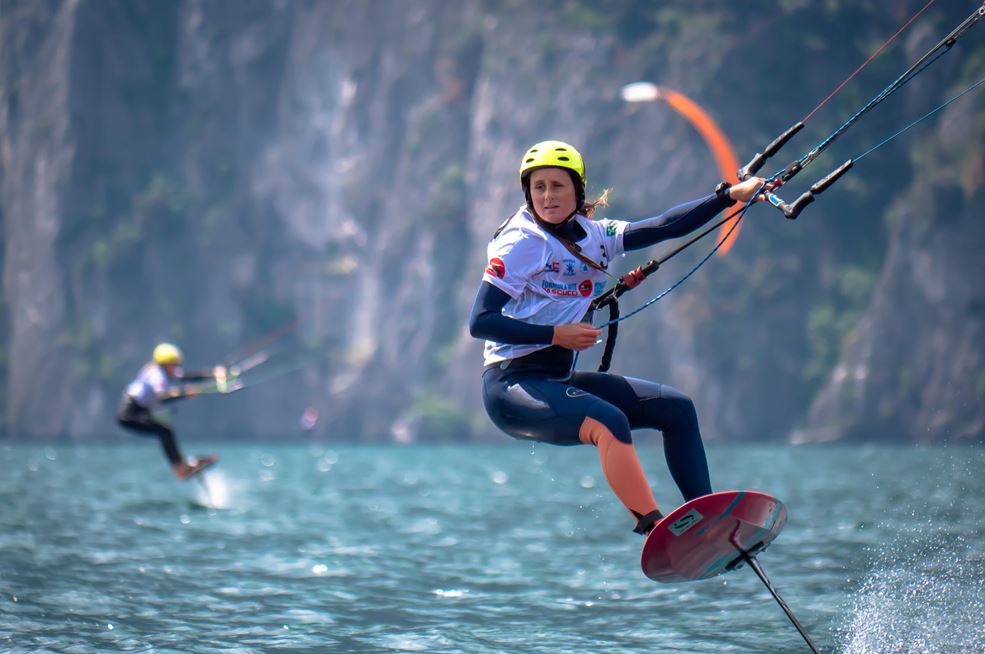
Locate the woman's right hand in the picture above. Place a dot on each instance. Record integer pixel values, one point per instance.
(742, 191)
(576, 336)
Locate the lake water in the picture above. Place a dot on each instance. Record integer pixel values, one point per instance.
(342, 548)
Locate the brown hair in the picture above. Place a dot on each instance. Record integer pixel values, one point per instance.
(590, 206)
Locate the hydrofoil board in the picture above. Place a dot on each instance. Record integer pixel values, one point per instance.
(710, 535)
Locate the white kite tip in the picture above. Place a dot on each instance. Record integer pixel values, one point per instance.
(640, 92)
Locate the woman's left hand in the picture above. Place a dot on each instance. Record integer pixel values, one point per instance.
(743, 190)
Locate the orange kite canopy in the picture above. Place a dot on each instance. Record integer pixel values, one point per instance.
(717, 142)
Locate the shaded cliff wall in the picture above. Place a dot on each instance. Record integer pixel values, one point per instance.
(38, 150)
(914, 364)
(212, 172)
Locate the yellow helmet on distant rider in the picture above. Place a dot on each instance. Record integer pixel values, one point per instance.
(552, 153)
(167, 354)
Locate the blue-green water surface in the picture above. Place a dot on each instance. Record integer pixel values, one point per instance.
(325, 548)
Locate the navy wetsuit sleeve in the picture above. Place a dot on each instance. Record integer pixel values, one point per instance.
(198, 375)
(673, 223)
(488, 322)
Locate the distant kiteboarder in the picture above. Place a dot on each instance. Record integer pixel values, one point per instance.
(159, 382)
(546, 264)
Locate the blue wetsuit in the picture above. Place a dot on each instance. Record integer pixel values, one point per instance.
(538, 397)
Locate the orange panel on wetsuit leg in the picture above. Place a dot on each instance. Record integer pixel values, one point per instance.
(621, 467)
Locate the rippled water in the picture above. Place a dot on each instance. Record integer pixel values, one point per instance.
(467, 549)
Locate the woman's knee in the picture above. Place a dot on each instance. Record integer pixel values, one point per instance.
(672, 411)
(680, 401)
(613, 420)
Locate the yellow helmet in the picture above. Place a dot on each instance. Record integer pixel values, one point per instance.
(552, 153)
(167, 354)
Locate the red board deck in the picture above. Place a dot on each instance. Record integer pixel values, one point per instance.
(706, 536)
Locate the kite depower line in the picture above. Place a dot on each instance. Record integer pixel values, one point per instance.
(791, 210)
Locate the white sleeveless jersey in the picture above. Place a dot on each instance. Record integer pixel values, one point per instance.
(151, 383)
(547, 284)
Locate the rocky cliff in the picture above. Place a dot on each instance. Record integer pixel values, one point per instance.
(318, 180)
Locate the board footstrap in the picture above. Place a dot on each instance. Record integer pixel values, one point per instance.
(647, 521)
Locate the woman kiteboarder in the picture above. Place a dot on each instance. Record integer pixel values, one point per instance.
(545, 265)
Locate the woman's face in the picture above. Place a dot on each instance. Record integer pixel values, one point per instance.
(553, 194)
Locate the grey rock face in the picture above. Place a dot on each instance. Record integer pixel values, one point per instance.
(319, 181)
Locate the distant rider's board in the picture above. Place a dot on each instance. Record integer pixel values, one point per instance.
(708, 535)
(200, 464)
(713, 534)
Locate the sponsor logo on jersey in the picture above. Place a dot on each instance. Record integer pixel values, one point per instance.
(560, 290)
(569, 267)
(496, 268)
(610, 230)
(552, 266)
(585, 288)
